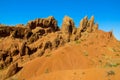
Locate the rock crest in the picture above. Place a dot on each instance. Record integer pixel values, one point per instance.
(68, 25)
(45, 33)
(46, 23)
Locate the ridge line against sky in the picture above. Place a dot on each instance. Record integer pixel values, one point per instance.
(106, 12)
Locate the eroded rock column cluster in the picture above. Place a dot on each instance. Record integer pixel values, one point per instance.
(41, 35)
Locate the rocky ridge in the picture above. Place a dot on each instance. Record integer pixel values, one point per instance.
(40, 36)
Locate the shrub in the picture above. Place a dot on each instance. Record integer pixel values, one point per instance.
(110, 73)
(47, 70)
(48, 55)
(85, 53)
(113, 49)
(112, 64)
(77, 42)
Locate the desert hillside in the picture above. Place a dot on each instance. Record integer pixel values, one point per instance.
(41, 50)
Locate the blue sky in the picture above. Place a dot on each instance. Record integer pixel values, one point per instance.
(106, 12)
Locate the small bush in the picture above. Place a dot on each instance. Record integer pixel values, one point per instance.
(110, 73)
(85, 53)
(48, 55)
(112, 64)
(1, 68)
(47, 71)
(77, 42)
(113, 49)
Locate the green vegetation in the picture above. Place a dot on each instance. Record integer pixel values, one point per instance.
(112, 64)
(47, 70)
(85, 53)
(110, 73)
(113, 49)
(48, 55)
(1, 68)
(110, 61)
(77, 42)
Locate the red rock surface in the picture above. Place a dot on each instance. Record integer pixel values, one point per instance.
(45, 51)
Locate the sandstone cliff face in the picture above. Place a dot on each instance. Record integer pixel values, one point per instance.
(42, 26)
(40, 36)
(83, 25)
(87, 25)
(48, 23)
(16, 32)
(70, 31)
(13, 69)
(68, 26)
(43, 31)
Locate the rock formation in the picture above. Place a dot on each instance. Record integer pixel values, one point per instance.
(39, 37)
(42, 38)
(88, 25)
(48, 23)
(12, 70)
(68, 26)
(83, 25)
